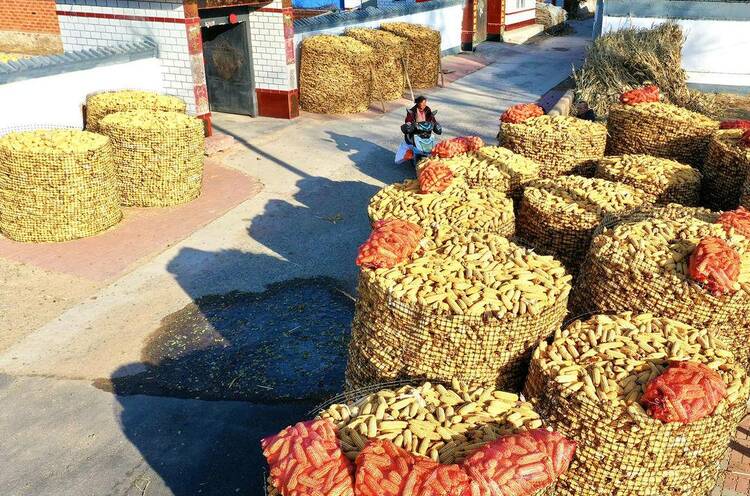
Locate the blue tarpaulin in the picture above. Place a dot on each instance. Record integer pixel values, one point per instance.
(316, 4)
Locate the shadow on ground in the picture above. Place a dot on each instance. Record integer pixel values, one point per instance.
(233, 367)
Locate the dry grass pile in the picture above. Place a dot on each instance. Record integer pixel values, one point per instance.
(423, 52)
(389, 51)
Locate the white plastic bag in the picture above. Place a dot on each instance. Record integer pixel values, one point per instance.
(404, 153)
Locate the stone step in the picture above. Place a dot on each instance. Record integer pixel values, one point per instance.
(522, 35)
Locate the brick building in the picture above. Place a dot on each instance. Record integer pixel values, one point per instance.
(29, 26)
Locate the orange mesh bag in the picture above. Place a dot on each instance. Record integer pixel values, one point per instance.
(521, 112)
(382, 469)
(739, 220)
(435, 178)
(457, 146)
(306, 460)
(646, 94)
(390, 243)
(735, 124)
(685, 392)
(716, 265)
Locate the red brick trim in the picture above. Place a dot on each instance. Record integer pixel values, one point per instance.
(122, 17)
(207, 127)
(273, 10)
(278, 103)
(518, 25)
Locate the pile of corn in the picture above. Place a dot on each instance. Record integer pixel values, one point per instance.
(560, 144)
(56, 185)
(158, 156)
(663, 180)
(559, 216)
(423, 52)
(745, 198)
(469, 306)
(99, 105)
(389, 51)
(458, 208)
(642, 265)
(661, 130)
(725, 169)
(587, 385)
(495, 164)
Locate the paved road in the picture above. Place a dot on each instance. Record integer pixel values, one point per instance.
(65, 433)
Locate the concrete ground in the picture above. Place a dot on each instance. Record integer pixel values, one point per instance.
(141, 384)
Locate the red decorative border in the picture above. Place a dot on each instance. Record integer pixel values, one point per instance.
(522, 24)
(286, 10)
(121, 17)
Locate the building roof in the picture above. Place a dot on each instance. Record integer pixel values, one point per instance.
(723, 10)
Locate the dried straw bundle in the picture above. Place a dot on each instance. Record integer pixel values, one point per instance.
(158, 156)
(560, 144)
(661, 130)
(336, 75)
(389, 51)
(587, 383)
(558, 217)
(630, 58)
(422, 52)
(99, 105)
(470, 306)
(459, 208)
(663, 180)
(56, 185)
(724, 172)
(550, 16)
(641, 265)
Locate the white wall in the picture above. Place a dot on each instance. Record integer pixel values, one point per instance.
(715, 52)
(519, 11)
(57, 99)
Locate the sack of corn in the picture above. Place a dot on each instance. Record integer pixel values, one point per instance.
(158, 156)
(559, 216)
(455, 147)
(560, 144)
(467, 306)
(99, 105)
(661, 130)
(422, 52)
(745, 198)
(458, 208)
(664, 181)
(56, 185)
(336, 75)
(589, 382)
(389, 51)
(724, 172)
(660, 264)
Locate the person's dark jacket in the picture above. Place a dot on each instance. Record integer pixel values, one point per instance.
(411, 118)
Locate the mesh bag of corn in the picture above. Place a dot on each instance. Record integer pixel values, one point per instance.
(422, 53)
(469, 305)
(457, 208)
(99, 105)
(661, 130)
(648, 263)
(745, 198)
(664, 181)
(589, 384)
(56, 185)
(336, 75)
(558, 216)
(560, 144)
(724, 172)
(158, 156)
(389, 51)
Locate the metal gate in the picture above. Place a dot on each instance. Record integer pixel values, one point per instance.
(229, 69)
(480, 33)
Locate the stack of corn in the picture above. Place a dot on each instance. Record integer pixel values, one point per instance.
(587, 385)
(663, 180)
(642, 265)
(559, 216)
(495, 166)
(422, 54)
(56, 185)
(99, 105)
(469, 306)
(560, 144)
(389, 50)
(158, 156)
(661, 130)
(724, 172)
(458, 208)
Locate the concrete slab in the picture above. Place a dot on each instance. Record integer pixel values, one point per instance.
(522, 35)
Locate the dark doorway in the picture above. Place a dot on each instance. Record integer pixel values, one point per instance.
(229, 69)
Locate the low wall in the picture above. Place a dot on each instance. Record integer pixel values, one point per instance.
(51, 90)
(717, 43)
(519, 13)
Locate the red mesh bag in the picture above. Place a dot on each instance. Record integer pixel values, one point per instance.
(738, 219)
(445, 480)
(685, 392)
(521, 112)
(390, 243)
(435, 178)
(473, 143)
(306, 460)
(745, 139)
(716, 265)
(457, 146)
(646, 94)
(735, 124)
(382, 469)
(519, 464)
